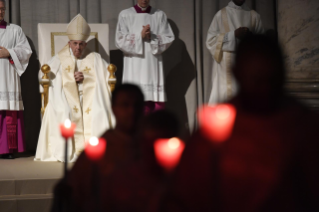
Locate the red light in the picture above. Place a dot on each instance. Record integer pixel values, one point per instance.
(168, 152)
(95, 148)
(67, 129)
(217, 121)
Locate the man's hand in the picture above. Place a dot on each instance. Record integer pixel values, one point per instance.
(78, 76)
(242, 32)
(4, 53)
(146, 32)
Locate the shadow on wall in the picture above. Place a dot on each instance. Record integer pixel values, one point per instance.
(31, 100)
(92, 46)
(179, 72)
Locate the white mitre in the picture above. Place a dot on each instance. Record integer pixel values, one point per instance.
(78, 29)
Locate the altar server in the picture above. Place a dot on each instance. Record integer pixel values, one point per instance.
(229, 26)
(15, 52)
(143, 34)
(79, 91)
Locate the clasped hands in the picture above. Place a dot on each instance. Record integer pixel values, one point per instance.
(146, 32)
(4, 53)
(242, 32)
(79, 77)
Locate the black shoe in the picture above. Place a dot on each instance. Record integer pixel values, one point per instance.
(7, 156)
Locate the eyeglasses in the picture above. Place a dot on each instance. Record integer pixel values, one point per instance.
(3, 9)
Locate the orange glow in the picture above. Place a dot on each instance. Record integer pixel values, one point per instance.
(168, 152)
(95, 148)
(216, 122)
(67, 129)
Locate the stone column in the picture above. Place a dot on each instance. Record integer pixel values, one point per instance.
(298, 31)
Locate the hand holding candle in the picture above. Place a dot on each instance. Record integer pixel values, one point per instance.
(217, 122)
(95, 148)
(168, 152)
(67, 129)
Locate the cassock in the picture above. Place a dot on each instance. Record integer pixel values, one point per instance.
(143, 64)
(221, 42)
(11, 106)
(86, 104)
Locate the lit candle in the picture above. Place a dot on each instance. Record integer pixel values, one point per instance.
(67, 129)
(95, 148)
(216, 122)
(168, 152)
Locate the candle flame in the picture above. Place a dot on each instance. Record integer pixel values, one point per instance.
(67, 123)
(222, 112)
(94, 141)
(173, 143)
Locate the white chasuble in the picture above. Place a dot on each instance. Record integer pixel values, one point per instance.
(92, 117)
(13, 39)
(221, 42)
(143, 63)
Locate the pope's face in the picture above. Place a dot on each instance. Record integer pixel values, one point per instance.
(2, 10)
(239, 2)
(143, 3)
(77, 47)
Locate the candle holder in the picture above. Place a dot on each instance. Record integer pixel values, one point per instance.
(168, 152)
(95, 148)
(67, 131)
(216, 122)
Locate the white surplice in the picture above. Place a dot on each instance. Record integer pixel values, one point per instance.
(13, 39)
(143, 63)
(221, 42)
(87, 104)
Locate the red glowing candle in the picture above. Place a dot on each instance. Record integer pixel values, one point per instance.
(95, 148)
(67, 129)
(217, 121)
(168, 152)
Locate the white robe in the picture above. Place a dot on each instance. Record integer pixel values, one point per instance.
(96, 102)
(13, 39)
(221, 42)
(143, 63)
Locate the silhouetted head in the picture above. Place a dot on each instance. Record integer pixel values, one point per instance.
(156, 125)
(239, 2)
(127, 106)
(259, 69)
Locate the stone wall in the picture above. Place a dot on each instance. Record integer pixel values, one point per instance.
(298, 31)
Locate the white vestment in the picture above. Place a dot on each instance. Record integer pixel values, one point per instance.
(143, 63)
(87, 104)
(221, 42)
(13, 39)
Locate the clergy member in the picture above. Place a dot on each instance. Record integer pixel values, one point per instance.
(15, 52)
(143, 34)
(79, 91)
(229, 26)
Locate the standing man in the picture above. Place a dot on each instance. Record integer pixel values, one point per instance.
(15, 52)
(79, 91)
(230, 25)
(143, 34)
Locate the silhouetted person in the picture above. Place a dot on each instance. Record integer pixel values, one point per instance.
(86, 177)
(138, 186)
(270, 162)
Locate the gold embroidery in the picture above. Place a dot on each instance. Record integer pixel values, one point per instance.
(68, 69)
(88, 111)
(75, 109)
(87, 70)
